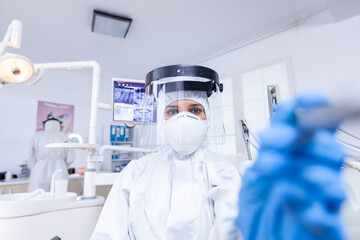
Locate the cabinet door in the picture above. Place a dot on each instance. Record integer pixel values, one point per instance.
(76, 185)
(103, 190)
(15, 188)
(3, 190)
(19, 188)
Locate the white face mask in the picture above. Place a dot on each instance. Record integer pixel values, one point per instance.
(185, 132)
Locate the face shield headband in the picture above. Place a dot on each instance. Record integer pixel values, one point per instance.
(183, 78)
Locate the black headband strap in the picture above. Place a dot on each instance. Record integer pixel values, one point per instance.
(207, 87)
(184, 71)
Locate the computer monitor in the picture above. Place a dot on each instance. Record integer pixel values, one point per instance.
(129, 105)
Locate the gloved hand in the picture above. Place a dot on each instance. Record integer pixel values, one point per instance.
(294, 189)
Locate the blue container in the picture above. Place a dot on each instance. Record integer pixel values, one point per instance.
(112, 133)
(120, 133)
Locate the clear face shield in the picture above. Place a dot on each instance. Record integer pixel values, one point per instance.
(186, 105)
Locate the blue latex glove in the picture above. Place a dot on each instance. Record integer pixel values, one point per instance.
(294, 189)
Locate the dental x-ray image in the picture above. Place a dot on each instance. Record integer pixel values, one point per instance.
(124, 95)
(129, 103)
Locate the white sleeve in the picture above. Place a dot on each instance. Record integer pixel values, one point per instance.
(32, 154)
(70, 157)
(113, 221)
(225, 194)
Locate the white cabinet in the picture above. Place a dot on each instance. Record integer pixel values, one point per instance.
(14, 188)
(120, 136)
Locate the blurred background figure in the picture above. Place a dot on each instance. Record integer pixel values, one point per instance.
(43, 162)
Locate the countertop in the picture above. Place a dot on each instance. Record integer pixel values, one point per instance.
(26, 180)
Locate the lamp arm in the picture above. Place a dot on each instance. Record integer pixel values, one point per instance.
(12, 36)
(95, 88)
(89, 187)
(41, 71)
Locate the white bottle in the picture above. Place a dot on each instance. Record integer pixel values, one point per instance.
(8, 176)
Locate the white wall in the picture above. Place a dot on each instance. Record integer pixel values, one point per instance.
(324, 55)
(18, 109)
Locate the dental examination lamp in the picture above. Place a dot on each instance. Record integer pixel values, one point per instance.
(15, 68)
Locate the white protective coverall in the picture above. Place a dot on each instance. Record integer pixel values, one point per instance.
(43, 162)
(167, 195)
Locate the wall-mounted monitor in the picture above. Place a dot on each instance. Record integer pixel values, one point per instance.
(129, 105)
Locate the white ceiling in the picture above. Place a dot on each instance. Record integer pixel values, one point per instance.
(162, 32)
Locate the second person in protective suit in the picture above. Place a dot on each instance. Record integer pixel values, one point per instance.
(184, 190)
(43, 162)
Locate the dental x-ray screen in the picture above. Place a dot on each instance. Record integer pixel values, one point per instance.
(129, 102)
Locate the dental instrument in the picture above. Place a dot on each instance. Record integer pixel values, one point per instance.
(247, 134)
(273, 94)
(327, 116)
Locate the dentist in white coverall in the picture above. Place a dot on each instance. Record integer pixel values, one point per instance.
(183, 191)
(44, 161)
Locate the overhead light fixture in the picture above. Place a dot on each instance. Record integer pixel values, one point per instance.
(110, 24)
(15, 68)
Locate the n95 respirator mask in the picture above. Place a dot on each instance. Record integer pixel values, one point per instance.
(185, 132)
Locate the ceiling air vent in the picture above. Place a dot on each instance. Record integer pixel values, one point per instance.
(110, 24)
